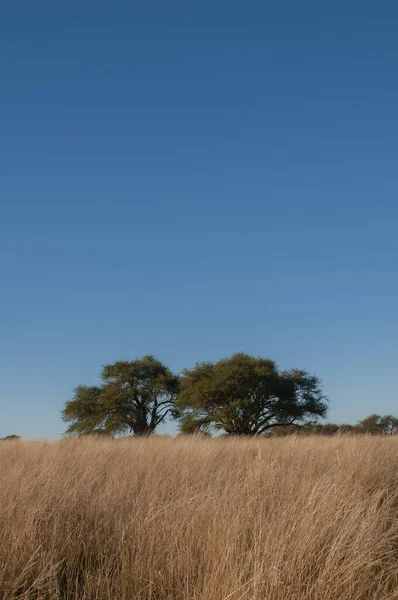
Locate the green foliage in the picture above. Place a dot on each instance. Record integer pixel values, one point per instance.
(9, 438)
(329, 429)
(377, 425)
(244, 395)
(135, 397)
(388, 424)
(311, 429)
(240, 395)
(348, 429)
(371, 425)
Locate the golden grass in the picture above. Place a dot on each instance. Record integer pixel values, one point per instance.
(196, 519)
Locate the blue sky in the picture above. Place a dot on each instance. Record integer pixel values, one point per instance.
(196, 179)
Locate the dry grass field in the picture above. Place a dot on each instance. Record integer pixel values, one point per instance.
(197, 519)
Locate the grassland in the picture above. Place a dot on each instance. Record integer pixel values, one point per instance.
(197, 519)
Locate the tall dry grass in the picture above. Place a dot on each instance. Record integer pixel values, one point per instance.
(192, 519)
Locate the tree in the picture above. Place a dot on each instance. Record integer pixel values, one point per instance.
(244, 395)
(377, 425)
(10, 438)
(370, 425)
(329, 429)
(282, 431)
(311, 429)
(348, 429)
(389, 424)
(135, 397)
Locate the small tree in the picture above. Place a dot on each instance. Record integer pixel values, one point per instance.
(282, 431)
(348, 429)
(389, 424)
(243, 395)
(329, 429)
(377, 425)
(370, 424)
(313, 429)
(135, 397)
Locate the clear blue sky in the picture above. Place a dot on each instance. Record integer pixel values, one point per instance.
(192, 179)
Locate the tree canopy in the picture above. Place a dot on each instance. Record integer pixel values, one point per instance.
(244, 395)
(376, 424)
(135, 397)
(371, 425)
